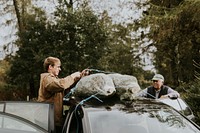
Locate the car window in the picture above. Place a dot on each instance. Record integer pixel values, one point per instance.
(38, 113)
(14, 125)
(179, 105)
(145, 120)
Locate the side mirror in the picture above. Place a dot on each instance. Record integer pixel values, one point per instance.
(173, 97)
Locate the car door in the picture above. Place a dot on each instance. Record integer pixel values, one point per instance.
(73, 121)
(36, 113)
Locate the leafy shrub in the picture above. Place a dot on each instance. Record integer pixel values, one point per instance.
(191, 94)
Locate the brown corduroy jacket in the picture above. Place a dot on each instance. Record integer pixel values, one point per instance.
(52, 90)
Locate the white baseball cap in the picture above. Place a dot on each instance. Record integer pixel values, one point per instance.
(158, 77)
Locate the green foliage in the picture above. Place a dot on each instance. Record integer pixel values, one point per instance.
(4, 69)
(8, 92)
(83, 39)
(77, 38)
(26, 60)
(174, 32)
(191, 93)
(119, 58)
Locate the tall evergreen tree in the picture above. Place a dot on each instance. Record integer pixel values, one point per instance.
(173, 31)
(77, 38)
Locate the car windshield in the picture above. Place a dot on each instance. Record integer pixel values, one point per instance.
(141, 119)
(178, 104)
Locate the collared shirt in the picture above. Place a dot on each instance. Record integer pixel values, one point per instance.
(157, 93)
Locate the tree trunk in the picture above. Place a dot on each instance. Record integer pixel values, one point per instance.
(32, 88)
(19, 19)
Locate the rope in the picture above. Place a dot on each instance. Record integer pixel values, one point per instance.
(91, 71)
(81, 103)
(99, 71)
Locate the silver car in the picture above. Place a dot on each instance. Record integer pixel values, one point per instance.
(136, 116)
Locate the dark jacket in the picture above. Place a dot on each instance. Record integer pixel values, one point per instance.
(152, 91)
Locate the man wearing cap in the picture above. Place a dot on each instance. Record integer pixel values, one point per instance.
(158, 90)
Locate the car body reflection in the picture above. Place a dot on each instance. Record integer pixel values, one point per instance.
(140, 116)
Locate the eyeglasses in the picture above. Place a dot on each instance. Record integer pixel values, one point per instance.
(155, 80)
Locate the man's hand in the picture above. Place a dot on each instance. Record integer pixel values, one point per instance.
(85, 72)
(171, 96)
(76, 76)
(164, 96)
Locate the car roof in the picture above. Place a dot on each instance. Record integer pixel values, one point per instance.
(95, 102)
(137, 103)
(115, 102)
(93, 109)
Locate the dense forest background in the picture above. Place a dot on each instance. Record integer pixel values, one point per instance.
(167, 33)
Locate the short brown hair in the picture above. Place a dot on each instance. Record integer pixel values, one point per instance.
(50, 61)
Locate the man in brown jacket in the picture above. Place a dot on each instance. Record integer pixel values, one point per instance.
(52, 88)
